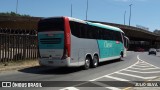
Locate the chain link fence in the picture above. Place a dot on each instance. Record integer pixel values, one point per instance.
(17, 44)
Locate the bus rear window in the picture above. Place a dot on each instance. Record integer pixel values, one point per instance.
(51, 24)
(50, 40)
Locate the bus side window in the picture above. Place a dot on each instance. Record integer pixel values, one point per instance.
(100, 34)
(83, 30)
(80, 29)
(74, 28)
(95, 33)
(89, 32)
(108, 34)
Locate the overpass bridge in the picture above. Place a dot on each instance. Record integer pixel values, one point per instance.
(138, 37)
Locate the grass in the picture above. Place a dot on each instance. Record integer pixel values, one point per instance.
(16, 65)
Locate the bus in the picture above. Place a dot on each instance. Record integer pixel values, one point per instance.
(126, 45)
(71, 42)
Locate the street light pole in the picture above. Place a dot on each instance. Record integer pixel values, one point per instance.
(130, 13)
(17, 7)
(71, 10)
(87, 10)
(124, 17)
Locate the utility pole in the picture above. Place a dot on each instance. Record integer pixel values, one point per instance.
(87, 10)
(17, 7)
(71, 9)
(124, 17)
(130, 13)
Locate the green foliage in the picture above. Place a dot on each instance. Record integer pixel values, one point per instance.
(13, 14)
(156, 31)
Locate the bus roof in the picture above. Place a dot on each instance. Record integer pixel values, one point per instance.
(77, 20)
(105, 26)
(96, 24)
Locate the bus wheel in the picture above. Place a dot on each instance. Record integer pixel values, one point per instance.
(94, 62)
(87, 63)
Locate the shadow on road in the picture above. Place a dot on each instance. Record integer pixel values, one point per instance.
(50, 70)
(62, 70)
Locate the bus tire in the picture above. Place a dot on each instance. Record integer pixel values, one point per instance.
(94, 62)
(87, 63)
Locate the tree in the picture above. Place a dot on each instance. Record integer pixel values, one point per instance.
(156, 31)
(13, 14)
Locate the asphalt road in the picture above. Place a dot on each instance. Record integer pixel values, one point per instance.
(135, 67)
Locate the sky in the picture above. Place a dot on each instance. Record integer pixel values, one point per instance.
(144, 12)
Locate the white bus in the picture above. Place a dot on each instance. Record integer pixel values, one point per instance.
(66, 41)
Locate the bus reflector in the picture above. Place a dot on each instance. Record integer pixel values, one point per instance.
(117, 42)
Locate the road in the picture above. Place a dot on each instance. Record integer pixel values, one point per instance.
(136, 66)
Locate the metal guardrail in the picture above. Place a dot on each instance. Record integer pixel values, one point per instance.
(17, 44)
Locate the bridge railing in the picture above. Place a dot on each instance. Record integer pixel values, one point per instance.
(17, 44)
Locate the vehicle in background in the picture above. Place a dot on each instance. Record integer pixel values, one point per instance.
(70, 42)
(138, 49)
(152, 51)
(126, 45)
(158, 50)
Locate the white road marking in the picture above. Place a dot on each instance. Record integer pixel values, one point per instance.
(70, 88)
(143, 69)
(146, 62)
(114, 72)
(142, 66)
(142, 72)
(116, 78)
(104, 85)
(139, 62)
(113, 88)
(136, 76)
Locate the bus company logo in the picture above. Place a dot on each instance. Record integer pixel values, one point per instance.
(6, 84)
(107, 45)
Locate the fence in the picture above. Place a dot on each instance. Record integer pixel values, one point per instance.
(17, 44)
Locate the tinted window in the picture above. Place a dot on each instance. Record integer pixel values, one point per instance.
(81, 30)
(52, 24)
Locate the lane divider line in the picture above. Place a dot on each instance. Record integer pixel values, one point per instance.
(142, 66)
(143, 72)
(136, 76)
(143, 69)
(147, 62)
(114, 72)
(118, 72)
(116, 78)
(70, 88)
(113, 88)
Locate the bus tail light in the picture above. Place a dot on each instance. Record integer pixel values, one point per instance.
(117, 42)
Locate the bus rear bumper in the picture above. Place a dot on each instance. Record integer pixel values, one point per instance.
(55, 63)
